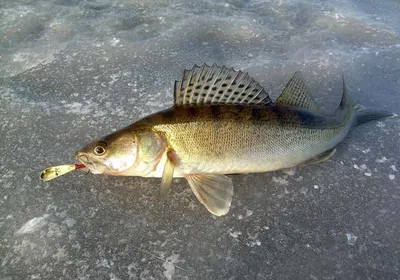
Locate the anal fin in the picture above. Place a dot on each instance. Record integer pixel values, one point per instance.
(213, 190)
(321, 157)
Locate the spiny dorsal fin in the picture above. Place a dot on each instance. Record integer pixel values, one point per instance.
(218, 85)
(295, 94)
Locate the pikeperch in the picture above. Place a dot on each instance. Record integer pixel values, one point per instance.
(223, 122)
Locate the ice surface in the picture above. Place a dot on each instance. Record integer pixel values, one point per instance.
(33, 225)
(72, 70)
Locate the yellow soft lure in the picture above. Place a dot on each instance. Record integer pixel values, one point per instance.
(56, 171)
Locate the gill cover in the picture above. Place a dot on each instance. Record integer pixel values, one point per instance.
(151, 147)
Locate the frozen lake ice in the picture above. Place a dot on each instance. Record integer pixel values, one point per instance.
(71, 71)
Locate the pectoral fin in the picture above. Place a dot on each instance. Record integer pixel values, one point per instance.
(213, 190)
(168, 172)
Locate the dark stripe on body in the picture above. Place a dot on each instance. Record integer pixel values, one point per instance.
(255, 114)
(216, 112)
(168, 114)
(239, 111)
(192, 112)
(259, 115)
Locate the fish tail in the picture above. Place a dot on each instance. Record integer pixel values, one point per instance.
(362, 113)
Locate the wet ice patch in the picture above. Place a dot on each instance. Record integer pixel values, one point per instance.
(113, 277)
(78, 108)
(235, 234)
(132, 268)
(364, 168)
(33, 225)
(380, 124)
(280, 181)
(289, 172)
(381, 160)
(366, 151)
(169, 266)
(351, 239)
(248, 214)
(361, 167)
(60, 254)
(25, 60)
(114, 42)
(304, 191)
(103, 263)
(115, 77)
(69, 222)
(252, 240)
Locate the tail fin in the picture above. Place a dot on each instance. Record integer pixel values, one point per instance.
(363, 114)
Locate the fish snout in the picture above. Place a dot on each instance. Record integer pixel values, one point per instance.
(83, 158)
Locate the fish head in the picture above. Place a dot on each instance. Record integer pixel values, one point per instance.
(111, 155)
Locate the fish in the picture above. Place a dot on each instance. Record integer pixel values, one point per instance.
(223, 122)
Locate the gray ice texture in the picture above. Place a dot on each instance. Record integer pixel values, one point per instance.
(72, 71)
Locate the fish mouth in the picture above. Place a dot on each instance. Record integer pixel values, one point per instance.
(82, 158)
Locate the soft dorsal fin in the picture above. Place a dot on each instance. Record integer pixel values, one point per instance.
(295, 94)
(218, 85)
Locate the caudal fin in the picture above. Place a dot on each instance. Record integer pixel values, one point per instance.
(364, 114)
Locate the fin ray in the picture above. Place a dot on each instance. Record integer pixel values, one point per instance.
(362, 113)
(167, 176)
(218, 85)
(168, 172)
(321, 157)
(295, 94)
(213, 190)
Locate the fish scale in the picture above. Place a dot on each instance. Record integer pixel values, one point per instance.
(220, 140)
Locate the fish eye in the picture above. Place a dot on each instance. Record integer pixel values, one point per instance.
(100, 149)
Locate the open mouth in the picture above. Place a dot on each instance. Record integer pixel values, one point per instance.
(86, 161)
